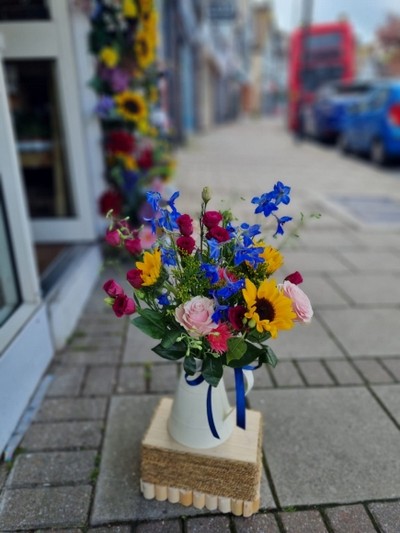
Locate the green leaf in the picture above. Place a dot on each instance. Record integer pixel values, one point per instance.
(189, 364)
(173, 353)
(170, 338)
(236, 349)
(148, 327)
(252, 353)
(255, 336)
(212, 370)
(156, 319)
(269, 357)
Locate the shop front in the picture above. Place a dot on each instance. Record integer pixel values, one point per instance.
(50, 178)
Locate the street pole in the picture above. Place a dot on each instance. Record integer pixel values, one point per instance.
(306, 19)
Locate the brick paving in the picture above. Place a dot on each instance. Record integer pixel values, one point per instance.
(331, 408)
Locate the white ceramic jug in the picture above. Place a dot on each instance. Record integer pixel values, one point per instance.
(189, 423)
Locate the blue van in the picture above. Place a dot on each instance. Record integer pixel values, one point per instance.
(371, 124)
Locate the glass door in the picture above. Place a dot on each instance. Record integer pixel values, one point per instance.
(43, 96)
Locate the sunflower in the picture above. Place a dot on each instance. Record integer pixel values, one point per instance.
(129, 9)
(150, 26)
(146, 7)
(144, 50)
(272, 257)
(150, 267)
(131, 106)
(268, 307)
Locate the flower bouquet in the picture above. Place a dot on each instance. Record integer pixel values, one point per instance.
(205, 291)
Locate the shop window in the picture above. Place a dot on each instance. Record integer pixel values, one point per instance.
(34, 103)
(24, 10)
(9, 292)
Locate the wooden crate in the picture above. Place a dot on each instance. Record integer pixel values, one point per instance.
(226, 477)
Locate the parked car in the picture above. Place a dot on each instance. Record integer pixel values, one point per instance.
(323, 119)
(371, 125)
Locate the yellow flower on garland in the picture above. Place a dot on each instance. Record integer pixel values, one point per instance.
(109, 56)
(131, 106)
(129, 9)
(272, 257)
(268, 308)
(146, 7)
(150, 267)
(144, 50)
(150, 26)
(128, 161)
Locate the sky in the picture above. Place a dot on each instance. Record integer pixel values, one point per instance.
(366, 15)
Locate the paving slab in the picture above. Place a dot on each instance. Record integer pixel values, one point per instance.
(67, 380)
(303, 522)
(369, 289)
(370, 261)
(62, 435)
(390, 397)
(344, 373)
(138, 347)
(258, 523)
(214, 523)
(164, 377)
(349, 518)
(100, 381)
(308, 262)
(57, 409)
(306, 341)
(373, 371)
(387, 516)
(118, 496)
(56, 468)
(328, 445)
(131, 379)
(315, 373)
(44, 507)
(365, 332)
(160, 526)
(322, 292)
(393, 366)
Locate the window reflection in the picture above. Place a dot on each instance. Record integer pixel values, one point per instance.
(24, 10)
(9, 294)
(33, 97)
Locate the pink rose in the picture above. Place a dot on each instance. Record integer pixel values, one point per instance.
(211, 219)
(300, 302)
(196, 316)
(185, 224)
(113, 288)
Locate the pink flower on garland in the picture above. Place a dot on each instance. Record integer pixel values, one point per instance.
(219, 337)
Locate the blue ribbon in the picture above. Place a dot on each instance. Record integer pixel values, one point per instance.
(210, 417)
(240, 398)
(241, 394)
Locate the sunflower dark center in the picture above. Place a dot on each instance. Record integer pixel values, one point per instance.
(132, 106)
(265, 309)
(143, 47)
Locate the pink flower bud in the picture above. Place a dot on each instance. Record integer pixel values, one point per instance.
(113, 288)
(123, 306)
(133, 246)
(185, 224)
(113, 237)
(134, 277)
(211, 219)
(187, 244)
(295, 278)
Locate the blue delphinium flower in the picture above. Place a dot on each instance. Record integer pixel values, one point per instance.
(220, 312)
(252, 255)
(281, 193)
(214, 249)
(168, 257)
(105, 106)
(265, 204)
(130, 179)
(163, 299)
(280, 222)
(211, 272)
(231, 288)
(249, 232)
(154, 198)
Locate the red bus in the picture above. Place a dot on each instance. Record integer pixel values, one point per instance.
(318, 54)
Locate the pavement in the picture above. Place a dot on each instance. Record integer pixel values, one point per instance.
(331, 407)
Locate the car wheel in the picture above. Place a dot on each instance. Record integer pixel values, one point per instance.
(377, 153)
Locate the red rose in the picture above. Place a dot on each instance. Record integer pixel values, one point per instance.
(185, 225)
(113, 288)
(133, 246)
(113, 237)
(134, 277)
(236, 315)
(110, 200)
(219, 234)
(211, 219)
(186, 244)
(120, 141)
(145, 159)
(123, 305)
(295, 278)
